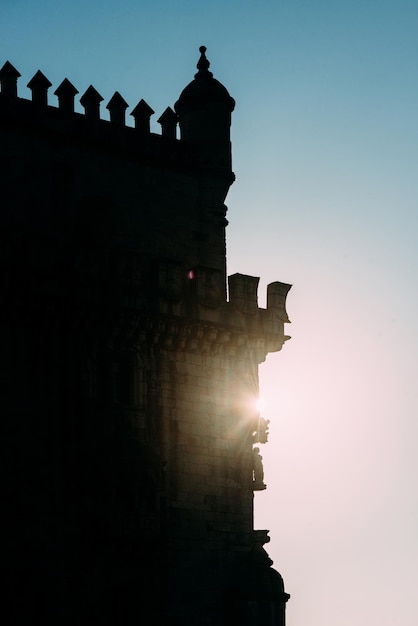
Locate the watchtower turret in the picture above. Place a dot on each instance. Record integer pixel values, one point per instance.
(204, 109)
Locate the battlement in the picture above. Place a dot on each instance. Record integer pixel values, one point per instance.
(41, 117)
(91, 100)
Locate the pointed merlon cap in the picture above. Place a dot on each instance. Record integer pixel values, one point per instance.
(39, 85)
(66, 92)
(203, 90)
(117, 107)
(90, 101)
(168, 121)
(8, 80)
(39, 81)
(141, 114)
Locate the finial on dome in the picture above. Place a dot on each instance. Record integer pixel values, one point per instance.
(203, 64)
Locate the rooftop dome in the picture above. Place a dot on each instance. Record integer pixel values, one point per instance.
(203, 89)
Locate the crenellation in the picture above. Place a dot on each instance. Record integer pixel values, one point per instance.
(66, 93)
(117, 107)
(39, 85)
(168, 121)
(142, 114)
(276, 300)
(90, 101)
(9, 76)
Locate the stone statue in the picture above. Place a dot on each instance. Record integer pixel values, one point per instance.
(258, 470)
(260, 434)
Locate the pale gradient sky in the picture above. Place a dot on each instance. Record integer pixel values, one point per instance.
(325, 150)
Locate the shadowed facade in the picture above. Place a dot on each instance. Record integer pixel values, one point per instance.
(129, 366)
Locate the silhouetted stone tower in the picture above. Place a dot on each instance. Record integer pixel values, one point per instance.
(129, 376)
(204, 109)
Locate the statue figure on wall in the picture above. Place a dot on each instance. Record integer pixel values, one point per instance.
(261, 431)
(258, 470)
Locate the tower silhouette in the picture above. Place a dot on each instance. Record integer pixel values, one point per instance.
(129, 366)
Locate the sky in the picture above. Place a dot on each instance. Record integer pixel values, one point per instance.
(325, 152)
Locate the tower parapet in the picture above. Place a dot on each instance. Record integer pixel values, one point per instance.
(39, 85)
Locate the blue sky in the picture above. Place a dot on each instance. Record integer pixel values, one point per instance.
(325, 150)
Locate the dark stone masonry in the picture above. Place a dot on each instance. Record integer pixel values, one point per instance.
(129, 366)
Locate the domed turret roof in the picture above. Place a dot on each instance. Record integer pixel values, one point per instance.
(203, 89)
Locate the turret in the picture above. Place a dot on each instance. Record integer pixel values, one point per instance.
(204, 110)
